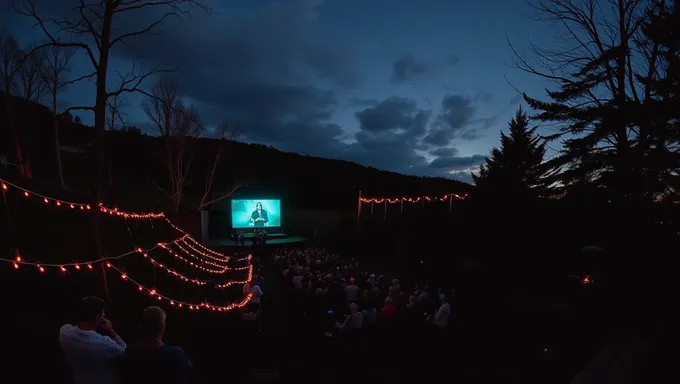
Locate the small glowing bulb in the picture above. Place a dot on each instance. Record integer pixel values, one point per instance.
(46, 201)
(72, 206)
(26, 194)
(16, 266)
(58, 204)
(4, 186)
(77, 266)
(108, 265)
(89, 266)
(62, 268)
(87, 206)
(123, 276)
(41, 269)
(19, 258)
(140, 288)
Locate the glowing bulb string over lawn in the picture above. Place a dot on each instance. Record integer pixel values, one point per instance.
(401, 200)
(191, 263)
(154, 293)
(114, 212)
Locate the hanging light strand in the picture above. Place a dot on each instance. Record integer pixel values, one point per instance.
(5, 185)
(191, 263)
(396, 200)
(233, 282)
(155, 294)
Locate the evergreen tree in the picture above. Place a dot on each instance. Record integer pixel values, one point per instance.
(600, 104)
(516, 168)
(662, 32)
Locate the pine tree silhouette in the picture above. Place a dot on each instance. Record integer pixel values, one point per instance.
(516, 168)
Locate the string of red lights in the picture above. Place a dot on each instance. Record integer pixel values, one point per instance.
(185, 239)
(396, 200)
(207, 252)
(191, 263)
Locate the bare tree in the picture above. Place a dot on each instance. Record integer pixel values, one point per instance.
(115, 120)
(600, 69)
(98, 28)
(177, 125)
(224, 133)
(10, 64)
(57, 65)
(31, 80)
(115, 117)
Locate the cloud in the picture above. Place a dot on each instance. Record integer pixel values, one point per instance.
(457, 163)
(453, 122)
(444, 152)
(408, 68)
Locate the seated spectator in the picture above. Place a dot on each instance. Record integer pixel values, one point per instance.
(151, 361)
(369, 313)
(92, 355)
(389, 311)
(256, 293)
(353, 321)
(441, 318)
(352, 291)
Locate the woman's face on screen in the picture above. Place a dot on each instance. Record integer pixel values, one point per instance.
(258, 206)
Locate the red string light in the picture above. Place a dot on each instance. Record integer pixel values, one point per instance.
(249, 278)
(191, 263)
(207, 252)
(153, 292)
(396, 200)
(172, 272)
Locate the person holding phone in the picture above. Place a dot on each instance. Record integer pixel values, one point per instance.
(92, 347)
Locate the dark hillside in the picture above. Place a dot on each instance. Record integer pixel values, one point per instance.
(138, 168)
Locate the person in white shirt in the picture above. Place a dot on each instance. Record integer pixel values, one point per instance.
(351, 291)
(352, 321)
(92, 356)
(246, 288)
(256, 293)
(441, 319)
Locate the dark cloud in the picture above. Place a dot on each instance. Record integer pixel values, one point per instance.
(453, 122)
(408, 67)
(359, 102)
(397, 114)
(444, 152)
(457, 163)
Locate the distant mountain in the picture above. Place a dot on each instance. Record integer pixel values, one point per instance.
(135, 165)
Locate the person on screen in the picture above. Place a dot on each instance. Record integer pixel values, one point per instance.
(259, 217)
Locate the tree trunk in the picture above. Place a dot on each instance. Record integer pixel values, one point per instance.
(15, 135)
(57, 144)
(99, 127)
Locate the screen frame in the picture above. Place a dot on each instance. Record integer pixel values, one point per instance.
(249, 227)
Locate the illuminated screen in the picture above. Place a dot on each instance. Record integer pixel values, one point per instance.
(255, 213)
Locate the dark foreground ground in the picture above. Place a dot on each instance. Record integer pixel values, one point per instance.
(501, 334)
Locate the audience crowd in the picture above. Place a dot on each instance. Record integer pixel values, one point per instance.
(341, 298)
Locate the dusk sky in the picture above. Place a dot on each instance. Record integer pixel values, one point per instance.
(416, 87)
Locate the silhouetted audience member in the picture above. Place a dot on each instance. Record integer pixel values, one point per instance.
(92, 347)
(150, 360)
(441, 318)
(353, 321)
(389, 311)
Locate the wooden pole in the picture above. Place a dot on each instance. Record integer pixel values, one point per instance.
(359, 209)
(450, 202)
(402, 207)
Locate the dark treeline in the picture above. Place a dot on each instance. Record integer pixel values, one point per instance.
(135, 166)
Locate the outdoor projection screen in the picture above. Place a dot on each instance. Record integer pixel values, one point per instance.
(255, 213)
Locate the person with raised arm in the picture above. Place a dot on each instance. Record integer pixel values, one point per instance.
(92, 347)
